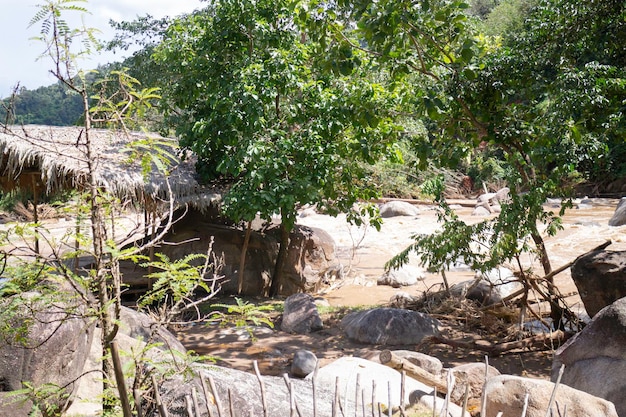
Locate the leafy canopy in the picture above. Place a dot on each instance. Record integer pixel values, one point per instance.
(260, 108)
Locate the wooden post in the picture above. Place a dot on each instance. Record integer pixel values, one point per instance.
(35, 214)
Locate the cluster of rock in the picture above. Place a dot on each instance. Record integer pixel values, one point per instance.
(591, 384)
(311, 255)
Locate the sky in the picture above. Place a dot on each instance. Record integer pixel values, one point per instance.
(19, 53)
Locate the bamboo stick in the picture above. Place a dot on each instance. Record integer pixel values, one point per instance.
(207, 399)
(188, 406)
(556, 387)
(194, 398)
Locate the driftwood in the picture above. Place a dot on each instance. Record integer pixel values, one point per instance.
(533, 342)
(392, 360)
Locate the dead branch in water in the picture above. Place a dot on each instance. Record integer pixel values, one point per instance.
(537, 342)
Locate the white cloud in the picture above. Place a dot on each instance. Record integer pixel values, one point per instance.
(18, 54)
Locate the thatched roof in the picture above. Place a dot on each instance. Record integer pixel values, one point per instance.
(56, 157)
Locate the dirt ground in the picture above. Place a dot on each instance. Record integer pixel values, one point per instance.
(363, 253)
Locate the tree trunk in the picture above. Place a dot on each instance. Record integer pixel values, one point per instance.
(280, 259)
(556, 312)
(242, 259)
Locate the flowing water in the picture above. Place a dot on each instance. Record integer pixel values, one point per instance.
(364, 251)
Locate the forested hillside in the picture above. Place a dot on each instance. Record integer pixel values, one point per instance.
(52, 105)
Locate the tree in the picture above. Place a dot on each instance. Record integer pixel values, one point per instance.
(263, 112)
(548, 98)
(120, 108)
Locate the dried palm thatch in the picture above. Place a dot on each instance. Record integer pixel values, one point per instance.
(55, 159)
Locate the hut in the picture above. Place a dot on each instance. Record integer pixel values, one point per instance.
(47, 159)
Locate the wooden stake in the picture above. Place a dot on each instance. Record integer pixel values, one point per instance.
(205, 391)
(188, 406)
(556, 387)
(218, 403)
(194, 397)
(262, 385)
(137, 397)
(231, 406)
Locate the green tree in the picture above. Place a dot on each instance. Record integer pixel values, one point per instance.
(550, 98)
(119, 108)
(284, 126)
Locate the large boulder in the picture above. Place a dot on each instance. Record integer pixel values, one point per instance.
(139, 337)
(244, 390)
(311, 253)
(398, 208)
(141, 326)
(50, 345)
(595, 358)
(600, 277)
(472, 376)
(346, 371)
(300, 315)
(506, 394)
(400, 277)
(389, 326)
(489, 287)
(619, 217)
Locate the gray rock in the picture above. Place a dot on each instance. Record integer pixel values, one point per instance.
(389, 326)
(388, 384)
(506, 393)
(311, 253)
(471, 375)
(502, 195)
(52, 349)
(600, 277)
(143, 327)
(424, 361)
(245, 393)
(402, 299)
(300, 315)
(398, 208)
(481, 211)
(404, 276)
(304, 362)
(488, 288)
(595, 358)
(619, 216)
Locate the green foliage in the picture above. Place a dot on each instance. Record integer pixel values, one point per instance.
(120, 101)
(44, 399)
(174, 280)
(507, 17)
(264, 111)
(53, 105)
(242, 314)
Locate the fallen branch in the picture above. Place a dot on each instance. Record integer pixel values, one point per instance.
(538, 342)
(394, 361)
